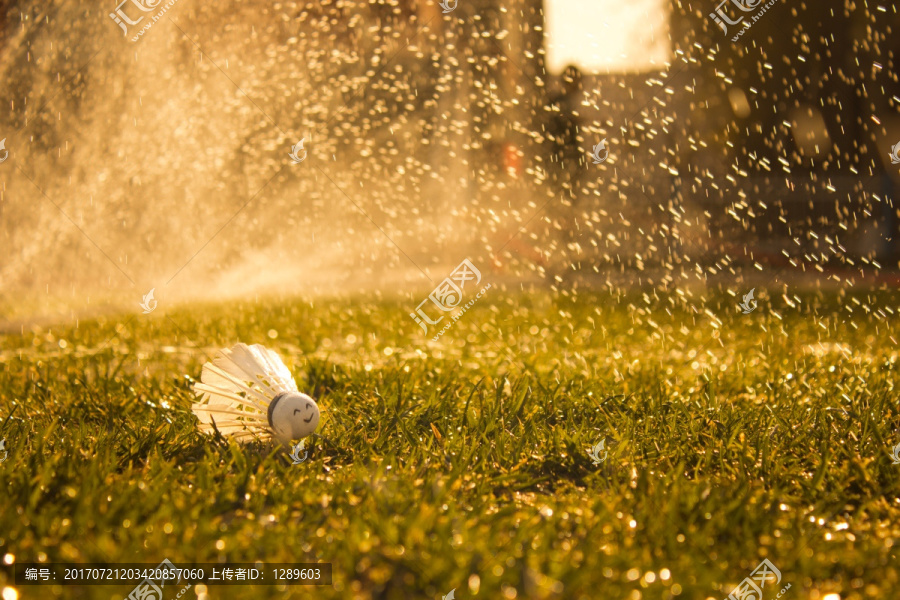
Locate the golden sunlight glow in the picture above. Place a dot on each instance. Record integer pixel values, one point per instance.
(607, 36)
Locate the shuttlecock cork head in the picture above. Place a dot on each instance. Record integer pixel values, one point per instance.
(293, 415)
(247, 392)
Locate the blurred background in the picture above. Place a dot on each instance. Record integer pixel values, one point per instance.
(435, 136)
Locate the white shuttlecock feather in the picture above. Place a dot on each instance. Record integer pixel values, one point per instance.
(249, 393)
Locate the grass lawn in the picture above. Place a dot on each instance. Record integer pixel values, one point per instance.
(464, 463)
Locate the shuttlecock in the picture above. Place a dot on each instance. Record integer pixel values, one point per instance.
(249, 393)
